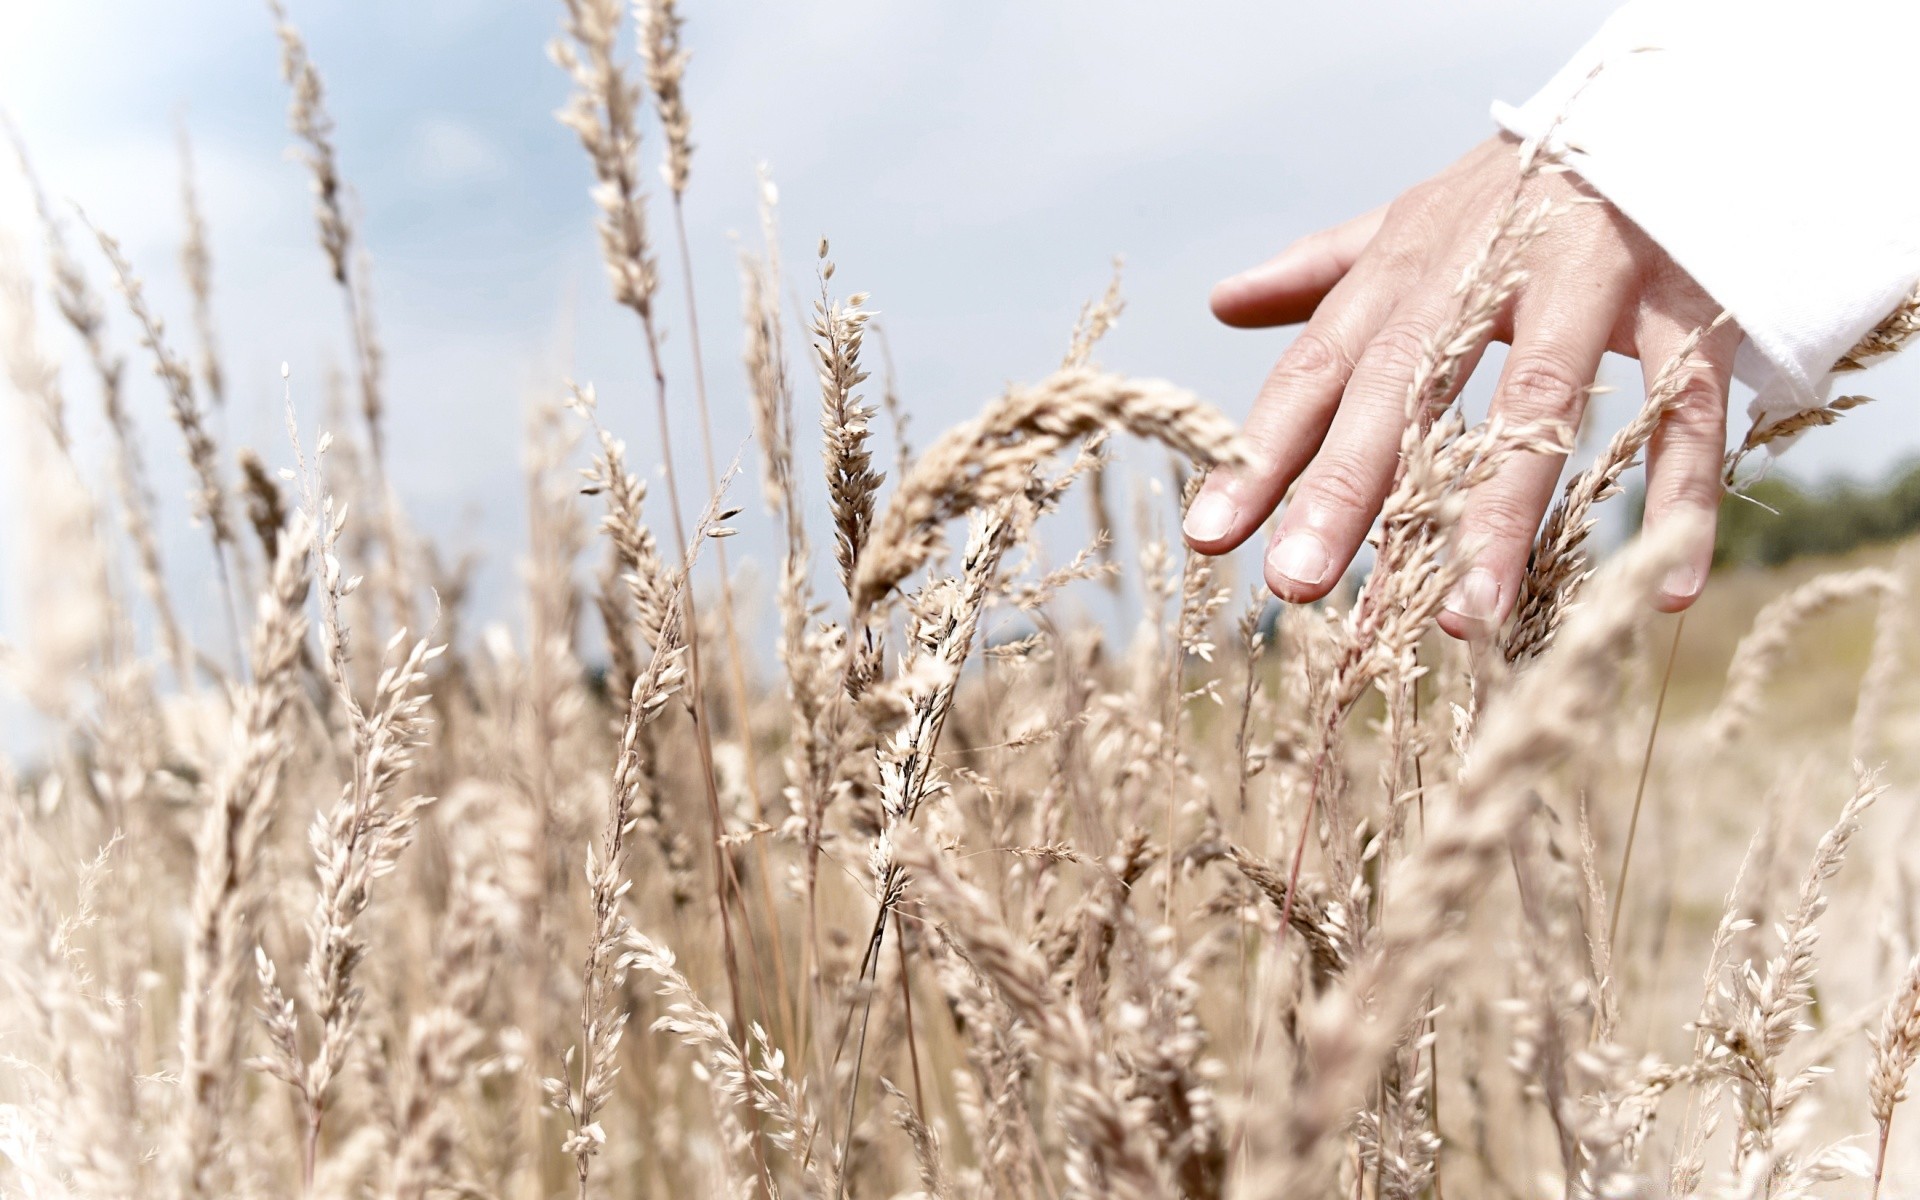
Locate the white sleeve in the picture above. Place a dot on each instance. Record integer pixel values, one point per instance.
(1766, 147)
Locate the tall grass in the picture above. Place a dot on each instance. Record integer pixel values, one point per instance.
(960, 897)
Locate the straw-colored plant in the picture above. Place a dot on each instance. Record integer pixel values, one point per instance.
(956, 894)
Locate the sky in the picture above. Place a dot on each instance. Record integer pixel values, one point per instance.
(977, 166)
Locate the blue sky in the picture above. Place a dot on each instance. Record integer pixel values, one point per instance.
(975, 165)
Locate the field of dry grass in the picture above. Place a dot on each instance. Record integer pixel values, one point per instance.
(957, 894)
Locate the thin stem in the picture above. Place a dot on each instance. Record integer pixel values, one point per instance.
(736, 661)
(1640, 790)
(860, 1046)
(1880, 1159)
(235, 646)
(366, 356)
(310, 1149)
(726, 883)
(1320, 763)
(890, 886)
(1170, 730)
(906, 1003)
(723, 863)
(1433, 1019)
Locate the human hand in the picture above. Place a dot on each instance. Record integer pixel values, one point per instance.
(1329, 418)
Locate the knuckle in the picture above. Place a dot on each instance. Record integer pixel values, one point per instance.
(1687, 490)
(1668, 280)
(1399, 348)
(1540, 387)
(1501, 518)
(1266, 444)
(1417, 202)
(1316, 354)
(1339, 485)
(1398, 252)
(1698, 415)
(1406, 233)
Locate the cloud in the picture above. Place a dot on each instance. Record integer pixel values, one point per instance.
(443, 152)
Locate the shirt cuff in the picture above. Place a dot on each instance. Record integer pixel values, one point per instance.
(1749, 142)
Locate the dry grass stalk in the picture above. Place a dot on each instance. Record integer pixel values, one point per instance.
(1439, 461)
(760, 1080)
(196, 264)
(445, 1042)
(1110, 1152)
(926, 1143)
(1886, 669)
(1097, 319)
(1893, 332)
(77, 629)
(69, 1131)
(210, 498)
(227, 883)
(1763, 1009)
(80, 308)
(666, 65)
(1896, 1044)
(603, 114)
(351, 267)
(1761, 651)
(312, 124)
(992, 457)
(826, 668)
(652, 586)
(1558, 566)
(1886, 338)
(1546, 717)
(266, 506)
(1705, 1087)
(34, 376)
(1778, 433)
(897, 418)
(354, 843)
(770, 391)
(941, 631)
(666, 60)
(851, 481)
(601, 1023)
(210, 502)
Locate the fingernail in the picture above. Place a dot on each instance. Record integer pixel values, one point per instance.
(1476, 597)
(1682, 582)
(1209, 517)
(1301, 557)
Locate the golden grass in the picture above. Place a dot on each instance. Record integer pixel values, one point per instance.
(960, 896)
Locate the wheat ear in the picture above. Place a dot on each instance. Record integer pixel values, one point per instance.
(227, 885)
(993, 456)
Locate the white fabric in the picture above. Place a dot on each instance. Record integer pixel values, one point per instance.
(1766, 146)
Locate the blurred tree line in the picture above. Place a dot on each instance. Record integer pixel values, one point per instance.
(1779, 518)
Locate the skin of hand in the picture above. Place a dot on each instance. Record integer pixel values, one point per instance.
(1327, 422)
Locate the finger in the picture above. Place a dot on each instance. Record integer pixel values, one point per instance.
(1340, 493)
(1559, 338)
(1286, 288)
(1290, 416)
(1685, 456)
